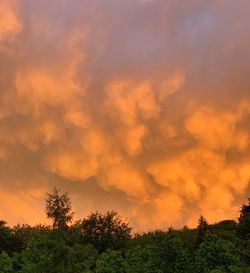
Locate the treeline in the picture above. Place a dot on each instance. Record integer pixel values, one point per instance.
(103, 243)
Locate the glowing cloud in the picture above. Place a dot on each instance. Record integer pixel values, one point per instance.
(140, 106)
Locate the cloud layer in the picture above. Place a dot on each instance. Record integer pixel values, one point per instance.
(139, 106)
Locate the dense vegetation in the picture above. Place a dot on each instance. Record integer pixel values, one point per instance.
(103, 243)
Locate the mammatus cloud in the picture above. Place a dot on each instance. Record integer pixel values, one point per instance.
(139, 106)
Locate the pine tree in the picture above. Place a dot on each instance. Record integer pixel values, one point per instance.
(202, 229)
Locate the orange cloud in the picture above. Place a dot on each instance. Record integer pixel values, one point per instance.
(10, 25)
(142, 107)
(221, 124)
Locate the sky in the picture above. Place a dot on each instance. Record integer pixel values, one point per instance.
(142, 106)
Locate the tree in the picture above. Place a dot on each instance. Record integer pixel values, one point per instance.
(243, 232)
(85, 257)
(58, 208)
(244, 221)
(169, 254)
(22, 234)
(139, 260)
(225, 229)
(5, 263)
(188, 237)
(110, 261)
(105, 231)
(202, 229)
(215, 253)
(5, 237)
(57, 252)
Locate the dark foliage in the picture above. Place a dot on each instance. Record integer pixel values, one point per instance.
(202, 229)
(104, 231)
(5, 238)
(244, 221)
(58, 208)
(243, 232)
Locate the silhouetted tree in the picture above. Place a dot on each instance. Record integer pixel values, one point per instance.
(5, 237)
(202, 229)
(244, 221)
(58, 208)
(243, 232)
(105, 230)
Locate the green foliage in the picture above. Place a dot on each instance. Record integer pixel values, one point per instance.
(58, 208)
(141, 259)
(169, 254)
(217, 270)
(6, 265)
(105, 231)
(225, 230)
(145, 238)
(57, 255)
(21, 234)
(215, 252)
(85, 258)
(110, 261)
(188, 237)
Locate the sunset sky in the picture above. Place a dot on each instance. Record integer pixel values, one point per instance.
(142, 106)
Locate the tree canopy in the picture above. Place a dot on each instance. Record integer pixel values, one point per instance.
(103, 243)
(58, 208)
(105, 230)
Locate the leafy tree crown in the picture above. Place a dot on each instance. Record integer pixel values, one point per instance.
(58, 208)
